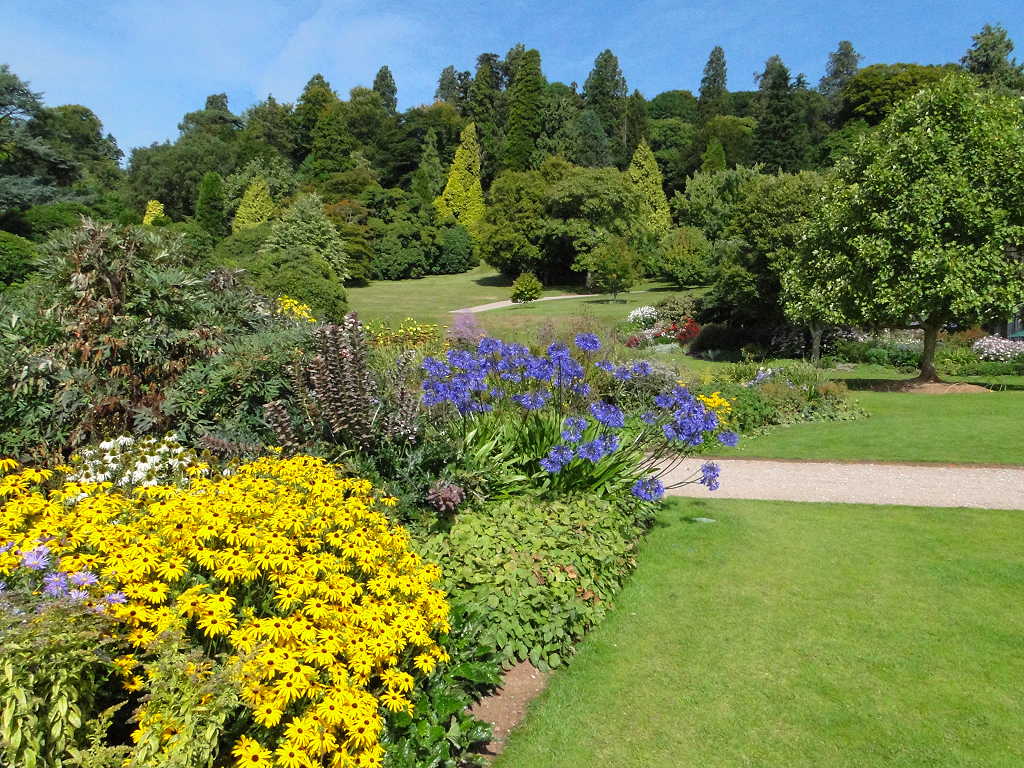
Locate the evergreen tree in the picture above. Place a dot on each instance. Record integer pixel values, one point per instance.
(591, 141)
(316, 97)
(842, 65)
(604, 92)
(463, 195)
(453, 88)
(256, 206)
(560, 114)
(636, 121)
(714, 98)
(269, 129)
(713, 158)
(384, 84)
(485, 99)
(989, 59)
(305, 227)
(210, 204)
(524, 117)
(428, 179)
(332, 143)
(780, 141)
(645, 178)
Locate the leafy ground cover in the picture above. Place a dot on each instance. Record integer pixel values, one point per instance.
(799, 635)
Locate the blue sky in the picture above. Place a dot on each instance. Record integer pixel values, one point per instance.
(140, 65)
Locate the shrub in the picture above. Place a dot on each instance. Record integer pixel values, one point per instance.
(526, 288)
(612, 267)
(41, 221)
(542, 573)
(239, 248)
(154, 215)
(456, 254)
(16, 258)
(717, 337)
(643, 317)
(685, 257)
(296, 573)
(255, 207)
(998, 348)
(678, 307)
(305, 228)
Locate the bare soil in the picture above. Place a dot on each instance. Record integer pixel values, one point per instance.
(506, 707)
(917, 387)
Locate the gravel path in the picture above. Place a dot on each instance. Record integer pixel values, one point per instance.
(507, 303)
(926, 486)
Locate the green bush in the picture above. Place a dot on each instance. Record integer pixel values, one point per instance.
(43, 220)
(718, 337)
(456, 252)
(685, 257)
(526, 288)
(542, 572)
(676, 308)
(240, 248)
(16, 257)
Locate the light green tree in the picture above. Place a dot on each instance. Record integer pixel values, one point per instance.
(463, 195)
(713, 159)
(256, 207)
(304, 227)
(613, 267)
(645, 178)
(923, 222)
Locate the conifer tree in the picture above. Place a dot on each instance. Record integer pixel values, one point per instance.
(256, 207)
(713, 99)
(384, 84)
(154, 211)
(989, 59)
(645, 178)
(842, 65)
(781, 140)
(316, 97)
(524, 117)
(590, 141)
(635, 121)
(210, 204)
(463, 195)
(713, 159)
(604, 92)
(485, 102)
(428, 179)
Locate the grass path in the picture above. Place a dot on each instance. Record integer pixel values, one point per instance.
(800, 635)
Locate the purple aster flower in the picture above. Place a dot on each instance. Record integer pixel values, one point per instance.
(5, 547)
(37, 559)
(729, 439)
(588, 342)
(115, 598)
(608, 414)
(55, 584)
(78, 595)
(83, 579)
(709, 472)
(648, 489)
(3, 586)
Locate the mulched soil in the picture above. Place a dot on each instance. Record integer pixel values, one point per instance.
(506, 707)
(915, 387)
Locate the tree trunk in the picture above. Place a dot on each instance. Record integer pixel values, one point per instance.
(817, 329)
(931, 338)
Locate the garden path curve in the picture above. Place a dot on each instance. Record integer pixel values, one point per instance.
(860, 483)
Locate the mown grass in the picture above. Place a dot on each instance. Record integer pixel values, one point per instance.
(800, 635)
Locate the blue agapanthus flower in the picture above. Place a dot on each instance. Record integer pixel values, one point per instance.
(533, 401)
(622, 373)
(574, 428)
(605, 365)
(642, 368)
(490, 346)
(558, 351)
(557, 458)
(648, 489)
(592, 451)
(588, 342)
(729, 439)
(608, 414)
(649, 417)
(709, 472)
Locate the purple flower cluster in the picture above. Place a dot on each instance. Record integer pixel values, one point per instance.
(709, 472)
(687, 418)
(729, 439)
(608, 414)
(592, 451)
(588, 342)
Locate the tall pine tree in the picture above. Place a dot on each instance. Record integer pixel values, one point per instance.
(463, 195)
(525, 120)
(842, 65)
(645, 178)
(485, 99)
(384, 84)
(714, 98)
(316, 97)
(635, 121)
(781, 139)
(989, 59)
(604, 92)
(428, 178)
(590, 141)
(210, 204)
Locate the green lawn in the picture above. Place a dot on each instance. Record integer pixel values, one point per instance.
(956, 428)
(789, 635)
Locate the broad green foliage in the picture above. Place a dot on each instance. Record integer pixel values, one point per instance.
(255, 207)
(685, 257)
(16, 257)
(542, 572)
(713, 159)
(526, 288)
(923, 219)
(874, 91)
(210, 205)
(709, 199)
(680, 105)
(463, 196)
(644, 176)
(612, 267)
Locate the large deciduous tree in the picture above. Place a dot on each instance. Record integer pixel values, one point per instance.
(923, 222)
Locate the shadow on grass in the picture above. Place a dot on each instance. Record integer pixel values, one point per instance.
(494, 281)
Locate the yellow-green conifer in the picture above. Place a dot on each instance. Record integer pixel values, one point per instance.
(154, 211)
(256, 206)
(463, 195)
(645, 178)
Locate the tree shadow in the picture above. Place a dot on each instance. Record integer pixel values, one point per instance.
(494, 281)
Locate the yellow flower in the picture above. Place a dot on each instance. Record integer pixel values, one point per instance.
(249, 753)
